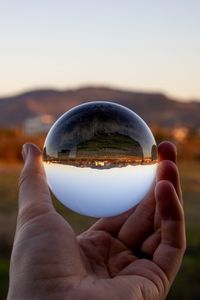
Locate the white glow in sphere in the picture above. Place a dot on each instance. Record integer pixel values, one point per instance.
(100, 159)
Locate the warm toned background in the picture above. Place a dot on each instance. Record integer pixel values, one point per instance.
(143, 54)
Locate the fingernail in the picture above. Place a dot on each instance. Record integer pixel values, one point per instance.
(25, 149)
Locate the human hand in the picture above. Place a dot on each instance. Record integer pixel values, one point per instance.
(132, 256)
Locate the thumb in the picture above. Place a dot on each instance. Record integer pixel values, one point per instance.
(34, 194)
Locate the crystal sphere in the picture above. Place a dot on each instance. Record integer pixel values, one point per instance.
(100, 159)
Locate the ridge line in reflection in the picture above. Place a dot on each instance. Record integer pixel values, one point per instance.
(102, 163)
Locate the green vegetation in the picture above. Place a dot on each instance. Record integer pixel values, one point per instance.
(186, 285)
(4, 276)
(110, 145)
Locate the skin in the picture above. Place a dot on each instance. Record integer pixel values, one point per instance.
(132, 256)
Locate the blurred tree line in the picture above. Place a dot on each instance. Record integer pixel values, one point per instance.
(187, 142)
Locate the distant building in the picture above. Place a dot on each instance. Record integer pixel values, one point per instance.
(39, 124)
(99, 163)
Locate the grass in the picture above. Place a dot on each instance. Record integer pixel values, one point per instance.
(4, 273)
(186, 285)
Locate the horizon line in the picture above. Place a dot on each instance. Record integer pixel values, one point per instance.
(96, 86)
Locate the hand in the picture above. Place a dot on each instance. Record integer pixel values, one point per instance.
(132, 256)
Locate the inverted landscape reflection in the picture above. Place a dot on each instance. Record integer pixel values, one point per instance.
(100, 158)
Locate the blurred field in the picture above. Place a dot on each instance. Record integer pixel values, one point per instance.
(186, 285)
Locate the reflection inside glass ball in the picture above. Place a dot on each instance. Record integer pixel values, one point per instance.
(100, 159)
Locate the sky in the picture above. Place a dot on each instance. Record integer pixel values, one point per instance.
(141, 45)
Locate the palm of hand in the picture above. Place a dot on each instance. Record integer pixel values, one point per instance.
(105, 262)
(100, 266)
(117, 272)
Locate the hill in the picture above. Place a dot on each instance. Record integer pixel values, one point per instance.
(154, 108)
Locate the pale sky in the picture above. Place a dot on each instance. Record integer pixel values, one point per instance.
(137, 45)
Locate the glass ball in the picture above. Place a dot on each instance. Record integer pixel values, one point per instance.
(100, 159)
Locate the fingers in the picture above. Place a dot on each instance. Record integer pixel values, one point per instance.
(169, 252)
(134, 226)
(139, 225)
(112, 225)
(34, 195)
(167, 151)
(167, 170)
(138, 230)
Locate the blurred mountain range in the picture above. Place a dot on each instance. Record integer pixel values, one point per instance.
(155, 108)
